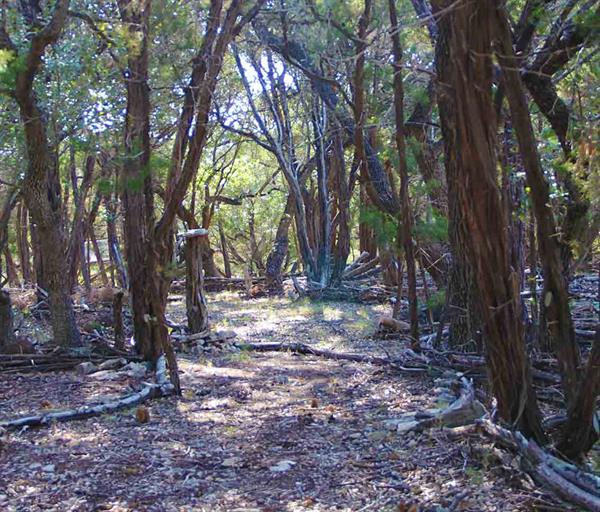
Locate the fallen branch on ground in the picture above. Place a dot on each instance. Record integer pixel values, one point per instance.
(58, 360)
(463, 410)
(301, 348)
(54, 361)
(566, 480)
(161, 387)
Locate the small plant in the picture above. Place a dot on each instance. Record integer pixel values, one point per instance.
(475, 475)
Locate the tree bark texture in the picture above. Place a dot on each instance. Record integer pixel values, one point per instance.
(463, 59)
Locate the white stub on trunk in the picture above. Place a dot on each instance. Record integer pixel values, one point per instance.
(193, 233)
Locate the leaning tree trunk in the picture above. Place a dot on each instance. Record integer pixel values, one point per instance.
(579, 433)
(464, 65)
(555, 299)
(276, 258)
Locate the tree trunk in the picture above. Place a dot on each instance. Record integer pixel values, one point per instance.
(11, 269)
(276, 258)
(208, 258)
(532, 281)
(195, 300)
(343, 191)
(324, 261)
(148, 297)
(555, 299)
(405, 218)
(77, 239)
(41, 184)
(366, 234)
(579, 433)
(23, 244)
(98, 255)
(225, 252)
(7, 333)
(38, 260)
(463, 59)
(118, 319)
(42, 196)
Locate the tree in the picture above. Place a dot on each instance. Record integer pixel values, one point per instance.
(405, 220)
(150, 241)
(41, 186)
(463, 60)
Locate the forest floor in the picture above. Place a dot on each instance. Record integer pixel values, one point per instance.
(255, 431)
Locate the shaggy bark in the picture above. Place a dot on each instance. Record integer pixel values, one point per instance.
(7, 333)
(21, 228)
(467, 116)
(556, 295)
(405, 219)
(41, 186)
(276, 258)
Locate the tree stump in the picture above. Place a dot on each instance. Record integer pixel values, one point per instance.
(195, 299)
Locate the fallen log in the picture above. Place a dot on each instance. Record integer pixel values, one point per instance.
(465, 409)
(566, 480)
(361, 269)
(301, 348)
(363, 256)
(54, 361)
(161, 387)
(366, 275)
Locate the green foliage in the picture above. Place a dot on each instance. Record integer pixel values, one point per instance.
(437, 299)
(384, 226)
(433, 229)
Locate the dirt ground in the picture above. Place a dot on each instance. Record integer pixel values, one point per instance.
(256, 431)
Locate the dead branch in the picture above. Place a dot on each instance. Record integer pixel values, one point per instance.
(301, 348)
(161, 387)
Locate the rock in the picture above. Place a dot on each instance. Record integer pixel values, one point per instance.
(225, 335)
(49, 468)
(112, 364)
(86, 368)
(281, 379)
(105, 375)
(232, 462)
(378, 435)
(406, 426)
(282, 466)
(135, 369)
